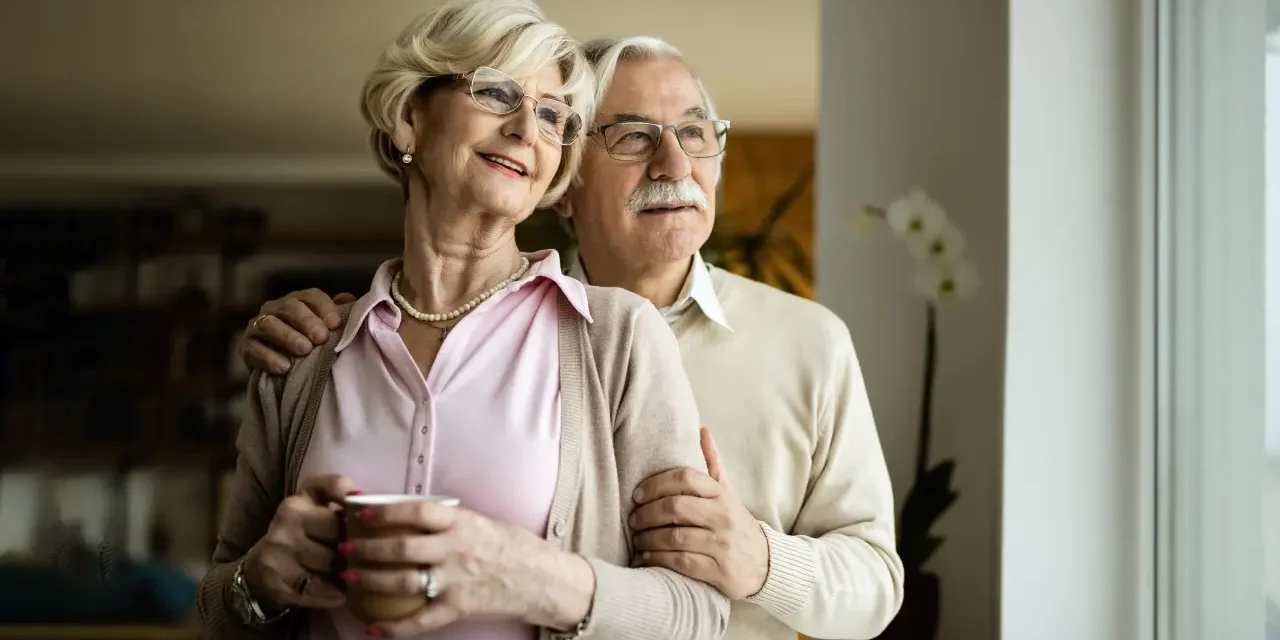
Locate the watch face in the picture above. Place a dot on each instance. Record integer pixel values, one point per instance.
(242, 607)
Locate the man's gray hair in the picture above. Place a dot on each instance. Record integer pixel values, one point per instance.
(605, 54)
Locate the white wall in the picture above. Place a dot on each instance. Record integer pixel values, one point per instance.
(1021, 118)
(914, 92)
(169, 91)
(1072, 416)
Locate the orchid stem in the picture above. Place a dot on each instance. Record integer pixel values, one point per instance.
(926, 400)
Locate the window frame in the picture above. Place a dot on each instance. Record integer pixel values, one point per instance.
(1209, 364)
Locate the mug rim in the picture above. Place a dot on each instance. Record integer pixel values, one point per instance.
(383, 499)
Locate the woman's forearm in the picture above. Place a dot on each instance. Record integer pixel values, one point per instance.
(564, 590)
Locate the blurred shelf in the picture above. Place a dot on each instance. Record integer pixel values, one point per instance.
(98, 632)
(148, 385)
(127, 314)
(273, 243)
(161, 456)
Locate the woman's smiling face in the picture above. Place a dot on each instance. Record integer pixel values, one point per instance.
(475, 158)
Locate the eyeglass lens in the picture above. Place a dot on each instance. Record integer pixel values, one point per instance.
(501, 94)
(639, 140)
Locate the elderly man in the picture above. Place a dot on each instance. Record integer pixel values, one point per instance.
(803, 538)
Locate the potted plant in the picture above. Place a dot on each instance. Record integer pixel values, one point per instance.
(766, 254)
(942, 274)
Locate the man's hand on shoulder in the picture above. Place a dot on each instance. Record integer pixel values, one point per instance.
(694, 524)
(289, 327)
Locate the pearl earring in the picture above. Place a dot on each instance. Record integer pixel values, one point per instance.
(406, 158)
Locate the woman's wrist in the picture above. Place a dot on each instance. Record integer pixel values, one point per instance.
(256, 590)
(563, 587)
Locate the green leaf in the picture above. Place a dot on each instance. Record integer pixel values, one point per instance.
(918, 551)
(924, 505)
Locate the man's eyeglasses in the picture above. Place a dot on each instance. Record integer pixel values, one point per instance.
(638, 141)
(499, 93)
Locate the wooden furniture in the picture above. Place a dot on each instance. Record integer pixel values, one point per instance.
(764, 229)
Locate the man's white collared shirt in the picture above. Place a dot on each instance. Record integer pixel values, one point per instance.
(698, 289)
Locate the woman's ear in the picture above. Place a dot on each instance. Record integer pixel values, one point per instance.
(405, 135)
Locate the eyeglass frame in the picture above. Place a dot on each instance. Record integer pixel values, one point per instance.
(523, 96)
(662, 129)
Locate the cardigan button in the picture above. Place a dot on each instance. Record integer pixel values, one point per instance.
(558, 529)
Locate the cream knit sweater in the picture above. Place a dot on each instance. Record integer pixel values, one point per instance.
(784, 397)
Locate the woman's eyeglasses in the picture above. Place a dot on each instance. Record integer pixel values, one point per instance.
(499, 93)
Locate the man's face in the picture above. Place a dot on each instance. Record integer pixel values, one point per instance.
(621, 211)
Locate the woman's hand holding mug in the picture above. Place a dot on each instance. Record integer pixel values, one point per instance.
(472, 566)
(293, 564)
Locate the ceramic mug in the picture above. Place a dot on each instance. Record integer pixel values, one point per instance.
(370, 607)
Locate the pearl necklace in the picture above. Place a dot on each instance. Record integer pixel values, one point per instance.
(475, 302)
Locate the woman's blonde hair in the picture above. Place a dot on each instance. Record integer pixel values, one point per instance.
(512, 36)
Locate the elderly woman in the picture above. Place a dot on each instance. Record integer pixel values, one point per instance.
(469, 370)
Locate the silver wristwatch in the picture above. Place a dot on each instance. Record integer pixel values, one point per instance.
(248, 609)
(574, 633)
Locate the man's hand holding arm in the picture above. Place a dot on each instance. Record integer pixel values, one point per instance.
(695, 524)
(837, 574)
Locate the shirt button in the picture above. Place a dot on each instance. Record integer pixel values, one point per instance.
(421, 458)
(424, 428)
(558, 529)
(417, 489)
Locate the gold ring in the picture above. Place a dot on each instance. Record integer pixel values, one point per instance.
(253, 326)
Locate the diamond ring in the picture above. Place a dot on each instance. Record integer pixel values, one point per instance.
(427, 584)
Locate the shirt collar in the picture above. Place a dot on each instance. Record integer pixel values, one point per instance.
(542, 264)
(698, 290)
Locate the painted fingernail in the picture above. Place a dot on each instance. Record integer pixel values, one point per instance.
(375, 632)
(355, 492)
(365, 514)
(347, 548)
(350, 577)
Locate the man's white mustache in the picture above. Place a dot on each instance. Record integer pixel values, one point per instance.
(656, 194)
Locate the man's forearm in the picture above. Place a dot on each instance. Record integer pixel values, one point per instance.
(837, 586)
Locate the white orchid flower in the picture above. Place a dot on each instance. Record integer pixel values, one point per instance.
(916, 214)
(867, 219)
(947, 279)
(947, 244)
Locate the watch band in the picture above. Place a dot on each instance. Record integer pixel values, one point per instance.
(574, 633)
(251, 613)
